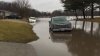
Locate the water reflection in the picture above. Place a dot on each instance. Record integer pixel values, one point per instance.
(89, 27)
(83, 44)
(84, 40)
(89, 47)
(60, 36)
(80, 29)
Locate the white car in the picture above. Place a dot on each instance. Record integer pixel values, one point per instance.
(32, 19)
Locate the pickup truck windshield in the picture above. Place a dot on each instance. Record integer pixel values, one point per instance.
(59, 20)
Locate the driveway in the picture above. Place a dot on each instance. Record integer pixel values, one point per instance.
(16, 49)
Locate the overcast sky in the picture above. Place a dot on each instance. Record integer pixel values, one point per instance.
(44, 5)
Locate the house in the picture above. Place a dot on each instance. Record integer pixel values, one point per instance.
(4, 13)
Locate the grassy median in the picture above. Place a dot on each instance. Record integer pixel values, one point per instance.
(16, 31)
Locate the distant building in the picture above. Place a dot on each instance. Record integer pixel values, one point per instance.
(98, 8)
(4, 13)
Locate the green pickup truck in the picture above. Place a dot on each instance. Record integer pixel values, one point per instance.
(60, 23)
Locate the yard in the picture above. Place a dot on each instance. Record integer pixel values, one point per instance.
(16, 31)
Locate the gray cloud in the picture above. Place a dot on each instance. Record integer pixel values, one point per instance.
(7, 0)
(44, 5)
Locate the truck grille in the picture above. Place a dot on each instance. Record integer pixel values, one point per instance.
(60, 26)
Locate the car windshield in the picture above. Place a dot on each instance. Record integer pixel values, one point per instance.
(32, 18)
(59, 20)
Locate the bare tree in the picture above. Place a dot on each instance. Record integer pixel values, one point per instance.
(22, 7)
(22, 3)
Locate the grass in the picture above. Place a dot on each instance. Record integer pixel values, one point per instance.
(16, 31)
(91, 20)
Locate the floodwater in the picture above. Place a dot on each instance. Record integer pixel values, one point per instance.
(84, 40)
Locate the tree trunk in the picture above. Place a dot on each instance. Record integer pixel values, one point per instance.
(83, 13)
(83, 25)
(99, 11)
(92, 10)
(3, 15)
(76, 14)
(91, 28)
(75, 24)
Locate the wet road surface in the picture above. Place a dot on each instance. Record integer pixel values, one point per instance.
(84, 40)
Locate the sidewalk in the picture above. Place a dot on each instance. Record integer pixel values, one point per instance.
(16, 49)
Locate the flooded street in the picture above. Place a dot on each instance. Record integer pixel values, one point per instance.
(84, 40)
